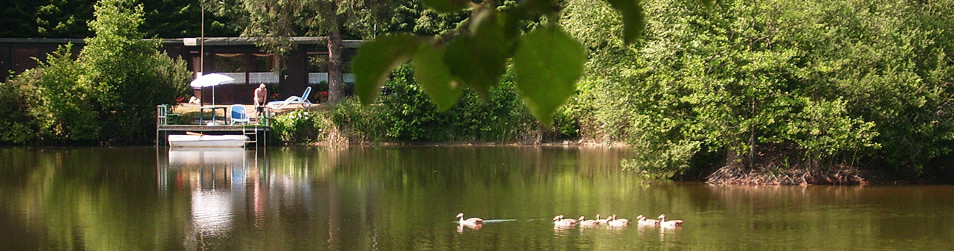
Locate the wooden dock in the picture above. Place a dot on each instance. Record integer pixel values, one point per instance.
(257, 134)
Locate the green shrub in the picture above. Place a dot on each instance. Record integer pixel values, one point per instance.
(413, 118)
(60, 108)
(18, 125)
(299, 126)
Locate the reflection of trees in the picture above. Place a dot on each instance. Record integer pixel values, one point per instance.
(406, 198)
(80, 199)
(358, 198)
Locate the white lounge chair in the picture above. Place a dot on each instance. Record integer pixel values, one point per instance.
(239, 115)
(293, 100)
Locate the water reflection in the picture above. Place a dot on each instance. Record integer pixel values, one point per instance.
(216, 178)
(405, 198)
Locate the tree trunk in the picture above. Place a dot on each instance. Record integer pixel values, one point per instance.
(335, 79)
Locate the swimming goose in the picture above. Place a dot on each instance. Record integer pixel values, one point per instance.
(614, 222)
(471, 221)
(588, 223)
(646, 222)
(601, 221)
(559, 221)
(670, 223)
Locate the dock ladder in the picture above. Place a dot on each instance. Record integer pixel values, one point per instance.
(251, 135)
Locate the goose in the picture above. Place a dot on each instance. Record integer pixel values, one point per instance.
(601, 221)
(470, 221)
(587, 223)
(646, 222)
(618, 222)
(670, 223)
(559, 221)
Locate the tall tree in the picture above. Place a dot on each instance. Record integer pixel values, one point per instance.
(183, 18)
(125, 75)
(46, 18)
(64, 18)
(274, 22)
(17, 18)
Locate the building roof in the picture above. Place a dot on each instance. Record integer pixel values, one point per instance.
(251, 41)
(43, 40)
(190, 41)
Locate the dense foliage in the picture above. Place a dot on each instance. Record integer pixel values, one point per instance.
(406, 114)
(546, 61)
(107, 95)
(774, 84)
(70, 18)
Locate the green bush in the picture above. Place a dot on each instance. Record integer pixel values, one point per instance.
(127, 76)
(413, 118)
(407, 115)
(19, 126)
(300, 126)
(60, 109)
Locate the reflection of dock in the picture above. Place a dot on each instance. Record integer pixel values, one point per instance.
(219, 182)
(198, 157)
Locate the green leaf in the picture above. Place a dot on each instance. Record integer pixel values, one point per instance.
(376, 59)
(446, 5)
(481, 59)
(548, 62)
(634, 20)
(435, 78)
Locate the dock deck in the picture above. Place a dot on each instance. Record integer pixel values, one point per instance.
(257, 133)
(211, 128)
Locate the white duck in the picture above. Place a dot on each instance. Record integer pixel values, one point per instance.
(601, 221)
(668, 223)
(587, 223)
(646, 222)
(614, 222)
(559, 221)
(470, 221)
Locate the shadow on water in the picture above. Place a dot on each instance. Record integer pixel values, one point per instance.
(407, 197)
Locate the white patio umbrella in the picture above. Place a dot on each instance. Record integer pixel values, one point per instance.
(211, 80)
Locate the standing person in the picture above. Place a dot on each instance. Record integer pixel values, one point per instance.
(261, 97)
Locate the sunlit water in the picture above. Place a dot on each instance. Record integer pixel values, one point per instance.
(406, 198)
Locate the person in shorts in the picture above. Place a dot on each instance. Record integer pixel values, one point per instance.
(261, 97)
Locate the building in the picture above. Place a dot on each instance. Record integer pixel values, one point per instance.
(237, 57)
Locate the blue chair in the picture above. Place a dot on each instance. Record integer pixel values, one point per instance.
(303, 100)
(239, 115)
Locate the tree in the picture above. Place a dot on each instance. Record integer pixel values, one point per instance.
(17, 18)
(766, 85)
(274, 22)
(59, 18)
(183, 18)
(108, 94)
(46, 18)
(547, 61)
(126, 76)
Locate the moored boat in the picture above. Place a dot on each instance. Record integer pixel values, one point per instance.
(207, 140)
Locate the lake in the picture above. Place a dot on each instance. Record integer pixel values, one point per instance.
(407, 197)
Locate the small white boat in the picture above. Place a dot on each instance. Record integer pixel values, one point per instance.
(207, 140)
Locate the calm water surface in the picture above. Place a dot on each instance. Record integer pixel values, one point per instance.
(406, 198)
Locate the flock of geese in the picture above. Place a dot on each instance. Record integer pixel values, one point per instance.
(560, 222)
(612, 221)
